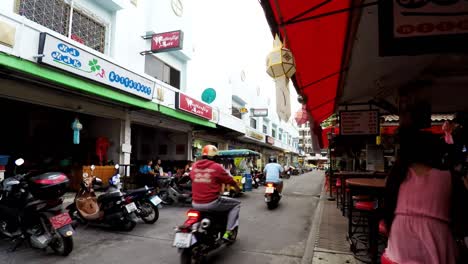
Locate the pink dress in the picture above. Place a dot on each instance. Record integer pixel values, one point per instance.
(420, 232)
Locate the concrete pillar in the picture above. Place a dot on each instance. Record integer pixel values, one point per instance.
(189, 145)
(125, 140)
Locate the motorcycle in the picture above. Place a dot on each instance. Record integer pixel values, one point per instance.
(201, 234)
(31, 209)
(258, 179)
(171, 193)
(145, 199)
(272, 196)
(109, 209)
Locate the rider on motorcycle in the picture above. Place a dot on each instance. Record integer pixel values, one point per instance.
(273, 171)
(207, 179)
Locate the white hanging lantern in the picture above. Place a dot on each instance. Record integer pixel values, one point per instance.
(280, 61)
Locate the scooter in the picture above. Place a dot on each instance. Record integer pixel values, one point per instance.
(171, 193)
(145, 199)
(272, 196)
(109, 209)
(31, 209)
(201, 234)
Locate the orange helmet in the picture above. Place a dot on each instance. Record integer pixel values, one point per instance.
(210, 151)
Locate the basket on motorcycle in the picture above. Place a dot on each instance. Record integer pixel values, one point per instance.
(88, 206)
(49, 186)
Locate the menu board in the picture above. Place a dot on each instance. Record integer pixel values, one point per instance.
(359, 123)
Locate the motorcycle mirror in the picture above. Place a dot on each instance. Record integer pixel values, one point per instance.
(116, 166)
(93, 167)
(19, 162)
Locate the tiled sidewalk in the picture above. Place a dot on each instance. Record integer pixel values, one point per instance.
(331, 245)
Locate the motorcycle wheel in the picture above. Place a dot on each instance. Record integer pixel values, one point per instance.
(151, 212)
(166, 200)
(128, 226)
(62, 246)
(191, 256)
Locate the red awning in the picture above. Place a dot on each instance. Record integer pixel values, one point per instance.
(315, 31)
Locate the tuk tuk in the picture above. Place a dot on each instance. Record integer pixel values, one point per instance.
(237, 161)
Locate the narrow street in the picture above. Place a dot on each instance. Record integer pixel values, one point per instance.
(277, 236)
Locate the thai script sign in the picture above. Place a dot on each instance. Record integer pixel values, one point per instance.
(67, 57)
(190, 105)
(410, 23)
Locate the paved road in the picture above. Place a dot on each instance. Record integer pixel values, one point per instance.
(277, 236)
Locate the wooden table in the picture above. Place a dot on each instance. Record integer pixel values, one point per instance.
(367, 182)
(374, 186)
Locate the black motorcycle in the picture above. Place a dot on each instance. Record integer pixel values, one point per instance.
(145, 199)
(201, 234)
(31, 209)
(109, 209)
(172, 192)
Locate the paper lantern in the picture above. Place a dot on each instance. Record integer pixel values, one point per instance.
(301, 116)
(76, 126)
(280, 61)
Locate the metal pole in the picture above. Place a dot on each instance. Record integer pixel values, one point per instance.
(330, 173)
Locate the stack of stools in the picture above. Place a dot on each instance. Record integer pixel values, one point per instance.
(363, 233)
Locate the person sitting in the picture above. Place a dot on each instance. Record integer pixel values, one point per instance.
(273, 171)
(207, 178)
(147, 173)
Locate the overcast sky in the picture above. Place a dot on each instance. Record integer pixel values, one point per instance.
(230, 36)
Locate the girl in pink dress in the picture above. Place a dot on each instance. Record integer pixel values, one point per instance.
(418, 204)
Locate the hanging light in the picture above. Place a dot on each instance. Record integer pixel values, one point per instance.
(280, 61)
(301, 116)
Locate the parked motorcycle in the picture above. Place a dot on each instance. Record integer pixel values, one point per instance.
(109, 209)
(272, 196)
(258, 179)
(201, 234)
(170, 192)
(31, 209)
(145, 199)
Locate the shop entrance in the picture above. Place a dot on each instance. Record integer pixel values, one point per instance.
(43, 136)
(152, 143)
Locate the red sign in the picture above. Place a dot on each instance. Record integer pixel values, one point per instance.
(270, 140)
(188, 104)
(166, 41)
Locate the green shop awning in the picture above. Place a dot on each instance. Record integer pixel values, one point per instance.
(76, 83)
(238, 153)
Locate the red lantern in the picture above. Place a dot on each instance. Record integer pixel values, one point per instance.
(302, 116)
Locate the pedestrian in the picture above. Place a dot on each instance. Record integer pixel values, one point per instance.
(158, 168)
(418, 203)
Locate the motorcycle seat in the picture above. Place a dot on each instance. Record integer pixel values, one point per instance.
(139, 190)
(109, 196)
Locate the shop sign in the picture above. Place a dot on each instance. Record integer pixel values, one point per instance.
(359, 122)
(270, 140)
(188, 104)
(66, 56)
(255, 135)
(166, 41)
(259, 112)
(423, 26)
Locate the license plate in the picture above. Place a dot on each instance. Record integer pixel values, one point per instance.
(155, 200)
(60, 220)
(182, 240)
(270, 190)
(131, 207)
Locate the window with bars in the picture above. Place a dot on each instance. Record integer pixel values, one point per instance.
(58, 15)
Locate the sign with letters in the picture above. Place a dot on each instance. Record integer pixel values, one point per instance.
(190, 105)
(68, 57)
(359, 123)
(409, 27)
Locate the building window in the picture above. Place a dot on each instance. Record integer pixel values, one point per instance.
(55, 15)
(235, 112)
(273, 133)
(161, 71)
(253, 123)
(280, 136)
(300, 141)
(264, 129)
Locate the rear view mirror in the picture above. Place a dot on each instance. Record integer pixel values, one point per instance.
(116, 166)
(19, 162)
(93, 167)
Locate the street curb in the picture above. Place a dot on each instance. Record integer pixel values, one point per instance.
(314, 231)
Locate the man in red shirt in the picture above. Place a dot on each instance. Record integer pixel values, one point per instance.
(207, 179)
